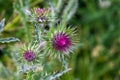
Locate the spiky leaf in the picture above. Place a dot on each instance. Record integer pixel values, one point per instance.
(7, 40)
(2, 23)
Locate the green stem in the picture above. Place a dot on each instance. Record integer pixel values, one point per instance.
(21, 3)
(64, 62)
(36, 31)
(29, 76)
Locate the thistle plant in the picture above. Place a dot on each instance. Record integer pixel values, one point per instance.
(47, 40)
(55, 43)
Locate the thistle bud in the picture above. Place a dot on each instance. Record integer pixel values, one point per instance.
(41, 14)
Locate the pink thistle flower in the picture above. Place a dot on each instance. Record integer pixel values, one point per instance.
(40, 11)
(41, 14)
(61, 42)
(29, 55)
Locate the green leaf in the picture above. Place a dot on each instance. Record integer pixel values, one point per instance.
(7, 40)
(2, 23)
(57, 75)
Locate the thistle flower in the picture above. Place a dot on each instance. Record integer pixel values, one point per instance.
(40, 14)
(29, 55)
(40, 11)
(60, 41)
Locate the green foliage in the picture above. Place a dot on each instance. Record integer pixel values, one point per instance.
(3, 40)
(10, 39)
(2, 25)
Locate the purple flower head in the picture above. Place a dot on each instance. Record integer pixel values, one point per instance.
(40, 11)
(29, 55)
(61, 42)
(41, 14)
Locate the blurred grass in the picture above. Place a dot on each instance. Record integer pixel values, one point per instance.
(99, 31)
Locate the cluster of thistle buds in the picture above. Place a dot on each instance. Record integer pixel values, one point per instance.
(56, 42)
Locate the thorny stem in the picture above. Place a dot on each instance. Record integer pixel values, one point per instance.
(64, 63)
(36, 30)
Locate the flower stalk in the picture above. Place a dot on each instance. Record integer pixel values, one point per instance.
(29, 74)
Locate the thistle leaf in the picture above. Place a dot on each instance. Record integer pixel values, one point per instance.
(69, 10)
(2, 23)
(7, 40)
(57, 75)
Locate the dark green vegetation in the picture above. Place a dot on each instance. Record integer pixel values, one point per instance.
(98, 58)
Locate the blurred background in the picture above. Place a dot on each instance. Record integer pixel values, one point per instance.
(98, 21)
